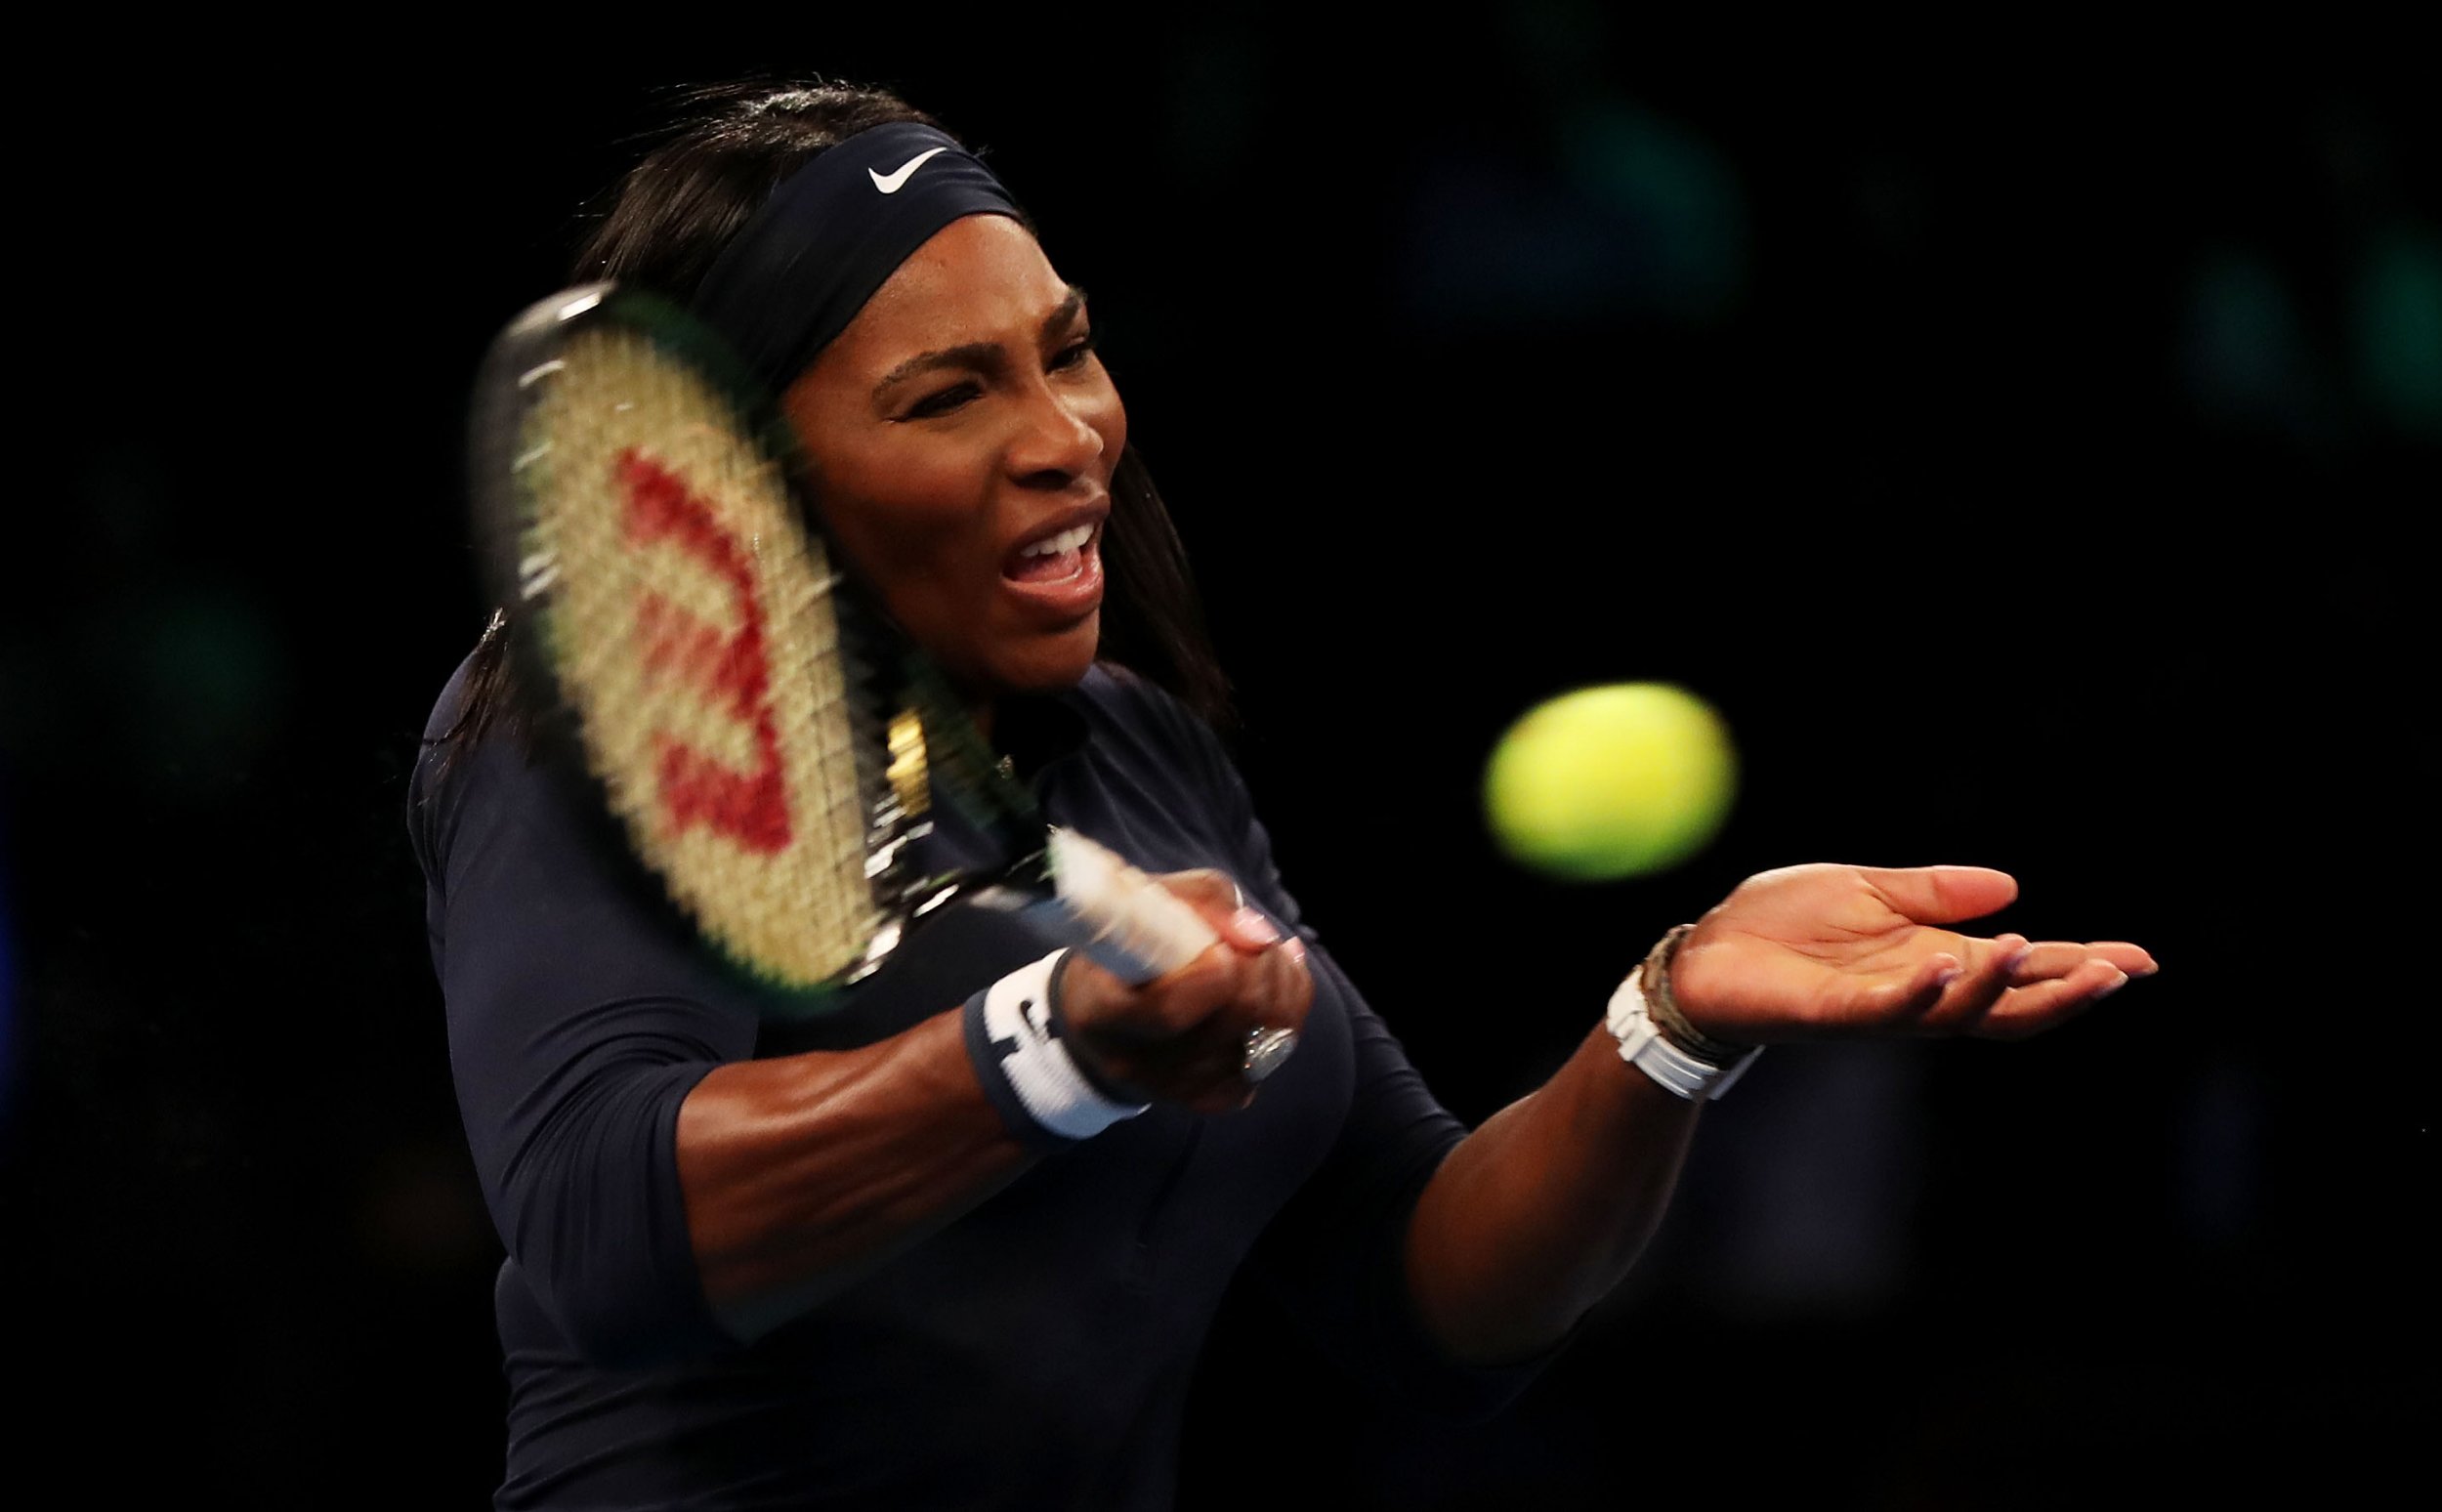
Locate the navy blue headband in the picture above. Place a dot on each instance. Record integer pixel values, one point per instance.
(831, 234)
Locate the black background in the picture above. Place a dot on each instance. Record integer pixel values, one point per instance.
(1988, 431)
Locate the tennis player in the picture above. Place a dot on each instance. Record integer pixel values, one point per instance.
(895, 1260)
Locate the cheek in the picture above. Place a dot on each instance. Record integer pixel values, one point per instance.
(907, 517)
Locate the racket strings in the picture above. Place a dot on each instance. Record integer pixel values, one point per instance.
(695, 624)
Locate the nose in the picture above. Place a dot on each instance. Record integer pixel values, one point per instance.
(1057, 439)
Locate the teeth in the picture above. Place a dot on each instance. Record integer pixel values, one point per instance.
(1066, 540)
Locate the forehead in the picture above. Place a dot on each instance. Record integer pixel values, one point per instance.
(980, 279)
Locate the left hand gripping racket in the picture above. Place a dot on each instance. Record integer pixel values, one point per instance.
(765, 740)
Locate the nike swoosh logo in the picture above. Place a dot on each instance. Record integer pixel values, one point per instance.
(1036, 1014)
(890, 185)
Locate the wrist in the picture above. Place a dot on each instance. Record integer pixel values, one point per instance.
(1018, 1043)
(1661, 1002)
(1657, 1039)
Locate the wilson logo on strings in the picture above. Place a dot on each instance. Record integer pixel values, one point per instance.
(732, 669)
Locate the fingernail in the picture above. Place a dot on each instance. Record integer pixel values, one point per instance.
(2017, 958)
(1249, 922)
(1946, 976)
(2115, 984)
(1296, 949)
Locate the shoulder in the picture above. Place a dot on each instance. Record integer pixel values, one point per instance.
(469, 759)
(440, 755)
(1122, 707)
(1140, 733)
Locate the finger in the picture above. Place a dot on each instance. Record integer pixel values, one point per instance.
(1199, 1069)
(1273, 991)
(2047, 961)
(1943, 894)
(1278, 992)
(1217, 896)
(1206, 887)
(1207, 1070)
(1226, 991)
(2031, 1009)
(1182, 1037)
(2135, 960)
(1985, 974)
(1288, 992)
(1251, 930)
(2053, 958)
(1180, 1001)
(1908, 999)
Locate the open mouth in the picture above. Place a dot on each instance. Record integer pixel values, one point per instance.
(1057, 558)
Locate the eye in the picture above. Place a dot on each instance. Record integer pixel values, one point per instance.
(941, 401)
(1075, 353)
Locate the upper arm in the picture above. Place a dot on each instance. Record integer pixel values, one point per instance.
(577, 1025)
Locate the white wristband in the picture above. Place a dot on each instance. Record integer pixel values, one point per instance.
(1013, 1037)
(1642, 1045)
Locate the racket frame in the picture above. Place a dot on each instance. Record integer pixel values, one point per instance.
(914, 746)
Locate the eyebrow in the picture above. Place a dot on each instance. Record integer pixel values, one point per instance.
(979, 354)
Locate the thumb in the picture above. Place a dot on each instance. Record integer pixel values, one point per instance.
(1219, 898)
(1942, 894)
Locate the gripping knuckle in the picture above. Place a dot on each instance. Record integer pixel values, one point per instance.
(1204, 884)
(1189, 997)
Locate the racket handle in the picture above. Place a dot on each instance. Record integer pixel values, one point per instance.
(1131, 925)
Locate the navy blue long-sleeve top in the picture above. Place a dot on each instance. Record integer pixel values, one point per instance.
(1035, 1352)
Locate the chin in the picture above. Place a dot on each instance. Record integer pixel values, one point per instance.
(1051, 663)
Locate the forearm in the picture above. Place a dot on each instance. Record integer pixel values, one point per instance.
(1540, 1211)
(800, 1174)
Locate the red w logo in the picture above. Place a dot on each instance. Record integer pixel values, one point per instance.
(731, 668)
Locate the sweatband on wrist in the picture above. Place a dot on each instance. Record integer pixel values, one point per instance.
(1014, 1035)
(834, 231)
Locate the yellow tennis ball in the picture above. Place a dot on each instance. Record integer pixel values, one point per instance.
(1612, 781)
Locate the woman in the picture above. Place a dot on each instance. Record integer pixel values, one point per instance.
(873, 1266)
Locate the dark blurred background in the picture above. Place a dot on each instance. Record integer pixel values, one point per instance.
(2021, 451)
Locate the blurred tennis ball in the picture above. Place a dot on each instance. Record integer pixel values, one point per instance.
(1612, 781)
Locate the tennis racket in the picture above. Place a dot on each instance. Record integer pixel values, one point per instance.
(768, 745)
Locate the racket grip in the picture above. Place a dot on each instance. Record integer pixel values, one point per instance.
(1130, 925)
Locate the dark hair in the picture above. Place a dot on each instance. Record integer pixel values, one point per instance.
(668, 219)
